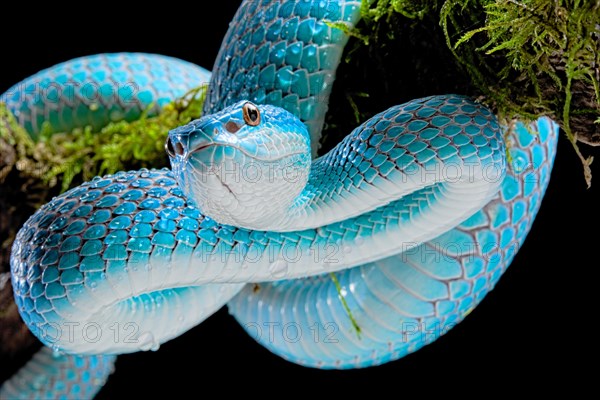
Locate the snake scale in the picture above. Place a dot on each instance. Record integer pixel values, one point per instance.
(416, 210)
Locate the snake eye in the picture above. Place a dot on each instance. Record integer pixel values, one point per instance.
(173, 150)
(251, 114)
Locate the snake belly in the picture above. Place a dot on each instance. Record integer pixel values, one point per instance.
(117, 235)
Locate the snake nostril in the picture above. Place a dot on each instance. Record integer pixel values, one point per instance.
(174, 149)
(179, 150)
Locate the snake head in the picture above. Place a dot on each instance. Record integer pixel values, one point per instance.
(243, 166)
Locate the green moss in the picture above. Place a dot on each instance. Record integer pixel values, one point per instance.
(524, 59)
(532, 58)
(413, 9)
(67, 158)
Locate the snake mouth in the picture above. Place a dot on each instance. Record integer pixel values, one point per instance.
(256, 157)
(202, 147)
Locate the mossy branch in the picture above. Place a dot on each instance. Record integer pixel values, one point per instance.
(543, 57)
(63, 158)
(524, 59)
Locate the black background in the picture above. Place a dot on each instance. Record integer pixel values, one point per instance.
(528, 331)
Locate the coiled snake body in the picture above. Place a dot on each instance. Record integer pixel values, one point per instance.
(415, 211)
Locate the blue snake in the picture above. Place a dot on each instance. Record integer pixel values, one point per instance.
(418, 211)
